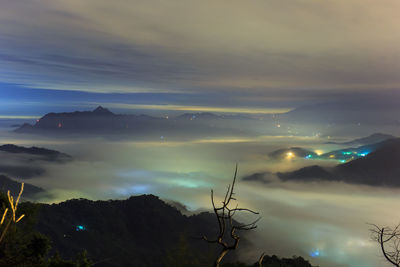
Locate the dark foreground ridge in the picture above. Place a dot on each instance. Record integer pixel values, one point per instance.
(140, 231)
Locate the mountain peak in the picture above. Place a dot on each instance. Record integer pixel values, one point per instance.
(102, 111)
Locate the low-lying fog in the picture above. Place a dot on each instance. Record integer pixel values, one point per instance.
(297, 218)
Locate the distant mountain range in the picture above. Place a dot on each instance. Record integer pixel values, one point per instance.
(103, 121)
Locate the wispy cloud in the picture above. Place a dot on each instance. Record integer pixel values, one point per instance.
(169, 46)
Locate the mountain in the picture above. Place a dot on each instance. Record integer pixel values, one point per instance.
(29, 192)
(139, 231)
(371, 139)
(352, 153)
(102, 111)
(27, 162)
(378, 168)
(343, 155)
(40, 153)
(101, 121)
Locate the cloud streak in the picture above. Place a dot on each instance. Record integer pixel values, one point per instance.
(173, 46)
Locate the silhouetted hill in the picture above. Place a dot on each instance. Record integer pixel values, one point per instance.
(310, 173)
(25, 163)
(380, 167)
(352, 153)
(139, 231)
(102, 111)
(7, 183)
(43, 153)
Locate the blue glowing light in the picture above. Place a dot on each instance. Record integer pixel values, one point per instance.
(346, 153)
(308, 156)
(363, 154)
(315, 253)
(343, 161)
(80, 228)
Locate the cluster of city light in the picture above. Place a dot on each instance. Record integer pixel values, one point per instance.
(341, 157)
(359, 154)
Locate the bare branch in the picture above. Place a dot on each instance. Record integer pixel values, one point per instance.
(389, 241)
(224, 216)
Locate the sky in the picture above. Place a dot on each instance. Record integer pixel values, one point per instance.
(270, 55)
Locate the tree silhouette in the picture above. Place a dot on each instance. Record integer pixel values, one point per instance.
(389, 241)
(227, 236)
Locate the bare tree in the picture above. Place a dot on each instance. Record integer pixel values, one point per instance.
(389, 241)
(227, 236)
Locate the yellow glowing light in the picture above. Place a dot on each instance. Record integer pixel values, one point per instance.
(290, 155)
(332, 156)
(318, 152)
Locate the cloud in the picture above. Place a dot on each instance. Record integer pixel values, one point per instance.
(169, 46)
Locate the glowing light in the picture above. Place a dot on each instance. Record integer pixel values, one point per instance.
(188, 183)
(315, 253)
(80, 228)
(363, 154)
(346, 153)
(308, 156)
(343, 161)
(318, 152)
(59, 125)
(332, 156)
(290, 155)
